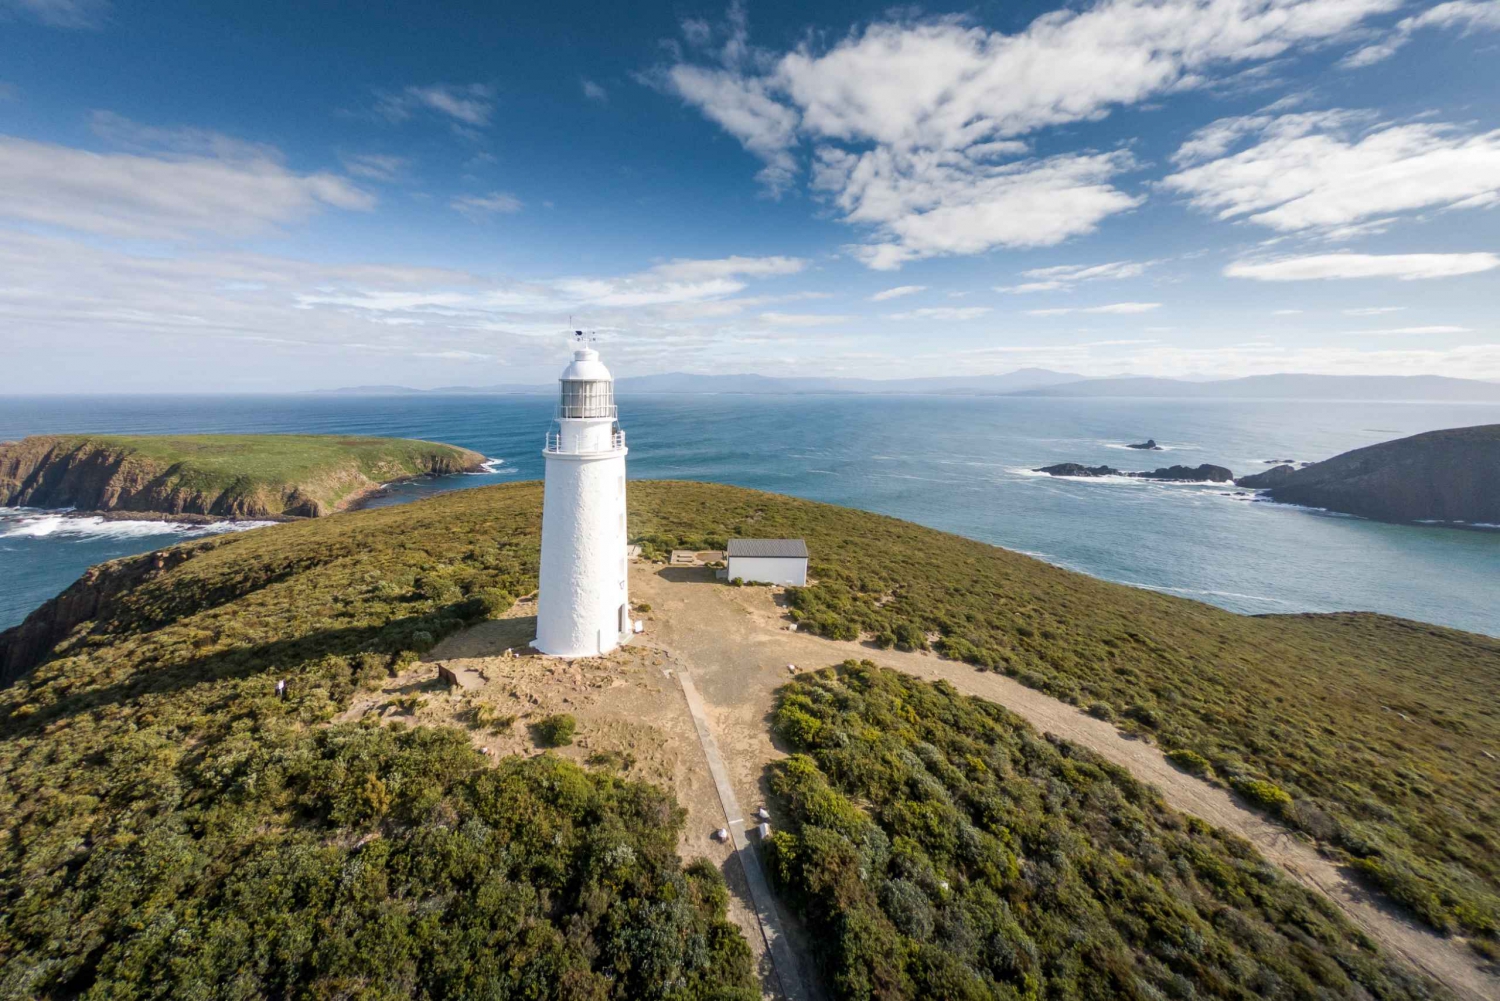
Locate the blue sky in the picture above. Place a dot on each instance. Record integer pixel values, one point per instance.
(288, 196)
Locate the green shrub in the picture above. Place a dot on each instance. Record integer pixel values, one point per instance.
(1102, 710)
(557, 730)
(1266, 795)
(943, 849)
(493, 601)
(1189, 761)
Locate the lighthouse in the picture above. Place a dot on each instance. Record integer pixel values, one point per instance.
(583, 602)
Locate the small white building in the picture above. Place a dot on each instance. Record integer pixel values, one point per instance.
(768, 561)
(583, 600)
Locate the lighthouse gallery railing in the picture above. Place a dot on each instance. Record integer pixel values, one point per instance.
(556, 445)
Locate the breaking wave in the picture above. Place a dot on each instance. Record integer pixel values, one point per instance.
(61, 525)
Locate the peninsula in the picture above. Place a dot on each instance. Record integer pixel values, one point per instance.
(263, 476)
(1450, 476)
(929, 808)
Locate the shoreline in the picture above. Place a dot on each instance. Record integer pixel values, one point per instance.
(353, 502)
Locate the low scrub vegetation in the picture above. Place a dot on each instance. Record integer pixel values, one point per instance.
(940, 848)
(169, 827)
(1385, 733)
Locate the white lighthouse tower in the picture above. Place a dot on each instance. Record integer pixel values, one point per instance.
(583, 603)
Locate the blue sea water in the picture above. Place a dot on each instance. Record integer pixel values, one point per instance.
(961, 464)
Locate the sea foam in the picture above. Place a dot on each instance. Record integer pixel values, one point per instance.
(61, 525)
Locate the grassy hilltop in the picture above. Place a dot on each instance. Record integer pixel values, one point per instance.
(237, 476)
(167, 824)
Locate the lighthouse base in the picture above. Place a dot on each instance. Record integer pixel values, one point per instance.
(583, 598)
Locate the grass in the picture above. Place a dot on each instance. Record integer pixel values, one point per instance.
(1385, 733)
(1380, 731)
(943, 849)
(241, 475)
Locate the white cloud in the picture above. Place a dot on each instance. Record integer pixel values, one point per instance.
(1116, 308)
(483, 206)
(803, 319)
(686, 269)
(594, 92)
(1285, 312)
(467, 104)
(238, 191)
(1319, 171)
(942, 313)
(1404, 267)
(897, 292)
(1434, 329)
(914, 122)
(1065, 276)
(375, 166)
(1470, 15)
(1373, 310)
(62, 13)
(930, 203)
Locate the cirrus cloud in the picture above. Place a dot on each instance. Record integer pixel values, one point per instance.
(1402, 267)
(220, 188)
(1323, 171)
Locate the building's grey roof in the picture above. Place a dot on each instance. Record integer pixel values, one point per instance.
(772, 548)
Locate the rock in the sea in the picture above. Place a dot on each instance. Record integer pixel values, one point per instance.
(1440, 476)
(1149, 445)
(1280, 462)
(1078, 469)
(1190, 474)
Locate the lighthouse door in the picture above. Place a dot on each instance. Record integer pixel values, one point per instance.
(624, 618)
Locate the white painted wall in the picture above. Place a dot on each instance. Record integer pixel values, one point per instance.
(790, 571)
(584, 578)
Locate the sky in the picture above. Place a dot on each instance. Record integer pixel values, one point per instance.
(289, 196)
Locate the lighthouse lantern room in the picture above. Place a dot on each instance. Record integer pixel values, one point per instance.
(583, 602)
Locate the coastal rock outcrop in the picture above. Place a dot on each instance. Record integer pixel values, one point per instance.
(1440, 476)
(1149, 445)
(1205, 473)
(223, 476)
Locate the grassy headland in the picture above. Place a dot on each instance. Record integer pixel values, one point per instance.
(237, 476)
(951, 852)
(149, 739)
(170, 828)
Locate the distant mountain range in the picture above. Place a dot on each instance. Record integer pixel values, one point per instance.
(1287, 387)
(1026, 382)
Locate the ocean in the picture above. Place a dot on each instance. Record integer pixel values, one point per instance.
(961, 464)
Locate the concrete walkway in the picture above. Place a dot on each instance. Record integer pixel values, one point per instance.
(785, 964)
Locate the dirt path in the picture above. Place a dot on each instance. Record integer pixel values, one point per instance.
(739, 646)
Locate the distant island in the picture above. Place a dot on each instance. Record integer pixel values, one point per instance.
(215, 476)
(1285, 386)
(1450, 476)
(1022, 382)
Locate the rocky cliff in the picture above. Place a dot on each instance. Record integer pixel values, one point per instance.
(230, 476)
(1444, 476)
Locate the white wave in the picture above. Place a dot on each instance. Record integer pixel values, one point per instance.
(61, 525)
(1194, 590)
(1160, 447)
